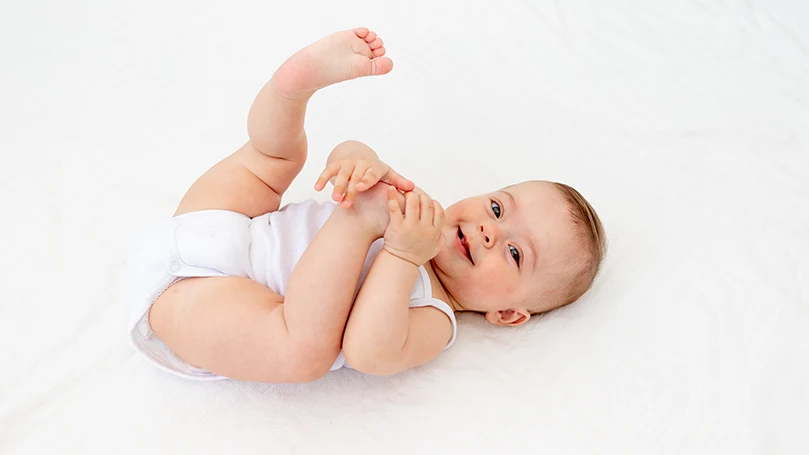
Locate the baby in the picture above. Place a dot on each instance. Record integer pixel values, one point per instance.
(233, 287)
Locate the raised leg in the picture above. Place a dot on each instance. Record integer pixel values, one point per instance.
(253, 179)
(275, 123)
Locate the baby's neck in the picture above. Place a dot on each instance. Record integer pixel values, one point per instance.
(439, 291)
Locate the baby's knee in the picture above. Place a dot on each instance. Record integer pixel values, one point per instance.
(310, 364)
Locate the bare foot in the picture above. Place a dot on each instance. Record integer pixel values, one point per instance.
(335, 58)
(372, 206)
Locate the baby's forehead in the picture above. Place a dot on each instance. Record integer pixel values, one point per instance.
(529, 185)
(534, 194)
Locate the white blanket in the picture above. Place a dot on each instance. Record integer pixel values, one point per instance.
(685, 123)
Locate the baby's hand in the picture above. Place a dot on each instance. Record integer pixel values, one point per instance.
(359, 173)
(414, 236)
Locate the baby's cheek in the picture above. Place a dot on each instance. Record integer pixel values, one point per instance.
(509, 287)
(494, 284)
(507, 290)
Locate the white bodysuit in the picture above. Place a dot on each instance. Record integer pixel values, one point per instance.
(224, 243)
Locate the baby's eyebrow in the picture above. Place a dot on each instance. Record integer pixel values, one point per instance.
(531, 244)
(513, 201)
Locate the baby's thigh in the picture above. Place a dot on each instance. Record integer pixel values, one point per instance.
(233, 327)
(246, 182)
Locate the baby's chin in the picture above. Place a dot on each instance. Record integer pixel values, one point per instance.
(444, 261)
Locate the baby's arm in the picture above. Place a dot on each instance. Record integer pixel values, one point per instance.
(383, 334)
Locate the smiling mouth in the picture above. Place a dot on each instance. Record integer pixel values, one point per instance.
(465, 245)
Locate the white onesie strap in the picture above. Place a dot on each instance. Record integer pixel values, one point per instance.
(441, 305)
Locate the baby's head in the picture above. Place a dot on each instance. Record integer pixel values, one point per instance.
(534, 246)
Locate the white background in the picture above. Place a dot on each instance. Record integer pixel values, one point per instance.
(686, 124)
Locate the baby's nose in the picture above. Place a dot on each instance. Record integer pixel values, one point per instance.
(488, 234)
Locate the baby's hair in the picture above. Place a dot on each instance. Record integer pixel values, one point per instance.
(590, 233)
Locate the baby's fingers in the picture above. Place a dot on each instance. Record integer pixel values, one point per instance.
(340, 182)
(394, 178)
(351, 192)
(368, 180)
(393, 207)
(438, 214)
(412, 207)
(327, 174)
(426, 208)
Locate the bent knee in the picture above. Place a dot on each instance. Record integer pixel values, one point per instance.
(306, 365)
(312, 365)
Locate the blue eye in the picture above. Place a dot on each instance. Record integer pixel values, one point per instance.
(496, 209)
(515, 254)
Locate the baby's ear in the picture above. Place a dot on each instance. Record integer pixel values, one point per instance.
(508, 318)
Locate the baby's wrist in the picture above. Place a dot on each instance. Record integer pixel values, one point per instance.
(410, 259)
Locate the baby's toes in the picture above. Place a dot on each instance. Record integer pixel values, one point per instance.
(376, 44)
(361, 32)
(370, 37)
(379, 52)
(381, 66)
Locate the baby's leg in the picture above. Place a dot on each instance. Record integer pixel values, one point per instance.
(233, 326)
(253, 179)
(237, 328)
(276, 118)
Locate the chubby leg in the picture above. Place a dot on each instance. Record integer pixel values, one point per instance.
(233, 326)
(240, 329)
(275, 123)
(253, 179)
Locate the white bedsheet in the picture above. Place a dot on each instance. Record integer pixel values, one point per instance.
(685, 123)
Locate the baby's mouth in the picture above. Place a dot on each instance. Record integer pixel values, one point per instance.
(465, 245)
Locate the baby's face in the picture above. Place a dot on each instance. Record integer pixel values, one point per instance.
(521, 242)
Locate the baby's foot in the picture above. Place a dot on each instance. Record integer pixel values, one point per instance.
(336, 58)
(372, 208)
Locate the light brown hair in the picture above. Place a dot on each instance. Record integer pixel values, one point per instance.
(590, 232)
